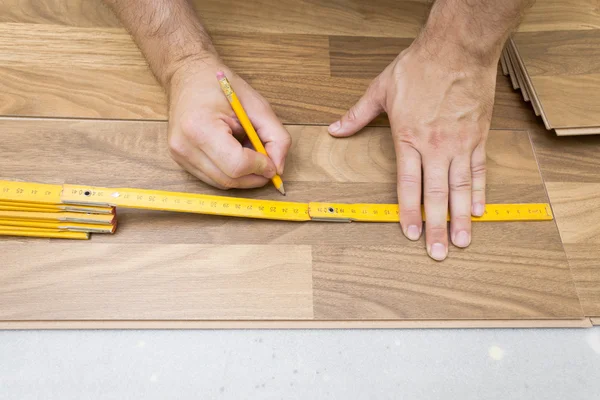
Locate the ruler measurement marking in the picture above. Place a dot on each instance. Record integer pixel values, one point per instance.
(240, 207)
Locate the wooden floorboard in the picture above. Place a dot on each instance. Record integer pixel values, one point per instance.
(358, 271)
(338, 17)
(570, 168)
(308, 79)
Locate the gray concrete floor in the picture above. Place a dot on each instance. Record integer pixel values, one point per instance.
(316, 364)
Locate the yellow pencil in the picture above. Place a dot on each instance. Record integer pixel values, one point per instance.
(246, 124)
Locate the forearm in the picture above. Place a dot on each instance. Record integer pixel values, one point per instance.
(168, 33)
(474, 29)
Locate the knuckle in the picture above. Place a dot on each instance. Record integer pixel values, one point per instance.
(436, 230)
(461, 184)
(410, 213)
(478, 170)
(235, 169)
(409, 180)
(436, 138)
(177, 146)
(228, 183)
(407, 137)
(352, 114)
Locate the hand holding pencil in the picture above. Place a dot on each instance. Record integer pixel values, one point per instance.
(206, 137)
(246, 124)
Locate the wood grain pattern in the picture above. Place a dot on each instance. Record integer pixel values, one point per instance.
(560, 15)
(560, 52)
(595, 321)
(560, 68)
(343, 17)
(135, 282)
(576, 207)
(570, 167)
(350, 284)
(107, 77)
(583, 259)
(569, 101)
(359, 271)
(567, 159)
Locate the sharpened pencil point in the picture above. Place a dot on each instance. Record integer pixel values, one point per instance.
(281, 189)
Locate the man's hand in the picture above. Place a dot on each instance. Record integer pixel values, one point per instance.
(439, 95)
(205, 136)
(440, 115)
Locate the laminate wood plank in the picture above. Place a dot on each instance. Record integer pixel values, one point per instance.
(350, 284)
(79, 13)
(522, 70)
(560, 15)
(53, 46)
(569, 101)
(338, 17)
(363, 57)
(583, 259)
(576, 207)
(578, 131)
(519, 76)
(595, 321)
(140, 150)
(512, 270)
(560, 52)
(567, 159)
(561, 69)
(304, 324)
(107, 77)
(65, 281)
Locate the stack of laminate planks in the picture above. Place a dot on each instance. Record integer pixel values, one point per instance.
(31, 212)
(557, 66)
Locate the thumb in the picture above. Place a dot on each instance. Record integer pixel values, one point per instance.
(359, 115)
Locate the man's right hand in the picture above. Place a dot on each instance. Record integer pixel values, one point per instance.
(205, 136)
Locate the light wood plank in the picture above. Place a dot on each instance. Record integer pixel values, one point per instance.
(138, 282)
(560, 15)
(576, 208)
(595, 321)
(101, 49)
(560, 52)
(567, 159)
(578, 131)
(361, 282)
(343, 17)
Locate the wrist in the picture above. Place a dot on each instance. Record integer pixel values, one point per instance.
(186, 63)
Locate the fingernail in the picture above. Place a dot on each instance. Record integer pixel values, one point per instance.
(413, 232)
(478, 209)
(438, 251)
(333, 128)
(462, 239)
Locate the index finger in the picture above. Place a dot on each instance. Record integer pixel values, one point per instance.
(271, 132)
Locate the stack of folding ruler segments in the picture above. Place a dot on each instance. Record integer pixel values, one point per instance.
(25, 211)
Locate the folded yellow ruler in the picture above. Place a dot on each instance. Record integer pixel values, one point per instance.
(82, 195)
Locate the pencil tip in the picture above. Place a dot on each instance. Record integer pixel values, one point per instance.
(281, 189)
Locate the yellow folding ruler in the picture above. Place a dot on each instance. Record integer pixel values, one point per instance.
(239, 207)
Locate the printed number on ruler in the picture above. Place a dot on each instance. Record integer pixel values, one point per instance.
(186, 202)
